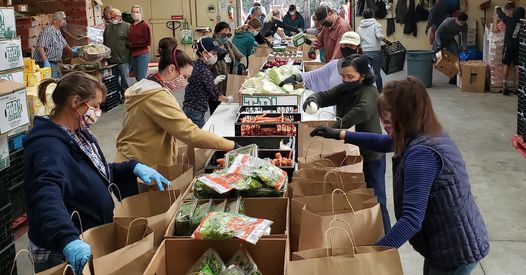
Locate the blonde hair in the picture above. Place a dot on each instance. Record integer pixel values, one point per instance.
(254, 23)
(136, 7)
(276, 12)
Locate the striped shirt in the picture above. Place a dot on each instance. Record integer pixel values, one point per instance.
(53, 43)
(422, 166)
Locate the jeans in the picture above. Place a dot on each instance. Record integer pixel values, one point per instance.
(461, 270)
(195, 116)
(122, 70)
(55, 70)
(54, 259)
(374, 172)
(139, 65)
(451, 46)
(212, 105)
(376, 61)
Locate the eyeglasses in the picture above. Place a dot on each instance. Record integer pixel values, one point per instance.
(228, 35)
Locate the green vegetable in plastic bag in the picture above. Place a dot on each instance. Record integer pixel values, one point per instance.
(271, 175)
(199, 213)
(236, 207)
(182, 218)
(210, 263)
(243, 260)
(251, 150)
(219, 207)
(233, 270)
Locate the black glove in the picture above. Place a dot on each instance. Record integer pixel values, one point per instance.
(326, 132)
(308, 101)
(291, 79)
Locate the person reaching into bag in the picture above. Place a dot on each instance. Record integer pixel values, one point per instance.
(154, 122)
(434, 207)
(355, 101)
(326, 77)
(65, 171)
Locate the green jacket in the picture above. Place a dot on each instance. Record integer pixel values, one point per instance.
(223, 68)
(298, 22)
(355, 108)
(115, 38)
(244, 42)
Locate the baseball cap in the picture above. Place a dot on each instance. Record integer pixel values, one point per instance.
(59, 15)
(352, 38)
(210, 44)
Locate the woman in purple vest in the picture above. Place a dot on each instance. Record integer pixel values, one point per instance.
(434, 206)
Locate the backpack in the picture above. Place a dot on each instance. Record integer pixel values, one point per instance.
(381, 11)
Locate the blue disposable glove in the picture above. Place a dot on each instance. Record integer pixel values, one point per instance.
(147, 174)
(77, 254)
(47, 64)
(75, 50)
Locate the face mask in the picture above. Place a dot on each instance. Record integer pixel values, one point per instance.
(136, 16)
(254, 33)
(292, 13)
(64, 23)
(388, 127)
(91, 116)
(351, 86)
(348, 51)
(115, 22)
(227, 58)
(212, 60)
(179, 83)
(223, 40)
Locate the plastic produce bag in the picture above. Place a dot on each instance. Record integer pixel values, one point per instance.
(200, 213)
(233, 270)
(223, 182)
(183, 218)
(243, 260)
(219, 207)
(236, 207)
(251, 150)
(223, 225)
(271, 175)
(209, 264)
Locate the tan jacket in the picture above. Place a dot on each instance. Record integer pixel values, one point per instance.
(152, 124)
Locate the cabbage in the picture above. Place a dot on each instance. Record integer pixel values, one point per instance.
(275, 75)
(288, 88)
(268, 81)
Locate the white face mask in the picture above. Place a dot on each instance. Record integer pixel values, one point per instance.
(292, 13)
(91, 116)
(179, 83)
(254, 33)
(136, 16)
(115, 22)
(212, 60)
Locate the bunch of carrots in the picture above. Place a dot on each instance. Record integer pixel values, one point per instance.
(278, 161)
(257, 130)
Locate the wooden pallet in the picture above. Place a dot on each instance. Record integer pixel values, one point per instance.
(519, 144)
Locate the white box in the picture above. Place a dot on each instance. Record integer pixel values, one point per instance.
(13, 106)
(15, 76)
(11, 55)
(8, 25)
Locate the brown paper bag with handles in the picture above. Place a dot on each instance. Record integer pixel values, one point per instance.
(330, 180)
(361, 211)
(116, 247)
(355, 260)
(156, 207)
(180, 175)
(317, 144)
(233, 85)
(61, 269)
(337, 161)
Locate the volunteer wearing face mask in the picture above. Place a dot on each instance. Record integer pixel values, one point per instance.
(244, 37)
(434, 207)
(231, 62)
(295, 19)
(333, 28)
(65, 171)
(355, 101)
(115, 38)
(139, 41)
(202, 85)
(328, 76)
(51, 44)
(153, 121)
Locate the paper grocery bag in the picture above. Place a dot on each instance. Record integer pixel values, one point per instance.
(157, 208)
(180, 175)
(338, 161)
(314, 182)
(61, 269)
(233, 85)
(319, 175)
(361, 211)
(317, 145)
(116, 247)
(364, 260)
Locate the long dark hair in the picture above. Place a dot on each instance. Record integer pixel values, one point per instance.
(169, 54)
(411, 111)
(361, 64)
(75, 83)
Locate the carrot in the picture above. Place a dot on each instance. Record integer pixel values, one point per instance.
(220, 162)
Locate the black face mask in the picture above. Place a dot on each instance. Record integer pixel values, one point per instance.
(351, 86)
(348, 51)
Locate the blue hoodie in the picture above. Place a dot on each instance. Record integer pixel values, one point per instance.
(244, 41)
(59, 179)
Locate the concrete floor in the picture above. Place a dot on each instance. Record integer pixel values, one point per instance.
(482, 126)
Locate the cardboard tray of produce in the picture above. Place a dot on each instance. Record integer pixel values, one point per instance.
(213, 165)
(267, 124)
(269, 109)
(267, 142)
(280, 61)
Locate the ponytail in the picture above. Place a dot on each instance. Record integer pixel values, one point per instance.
(42, 88)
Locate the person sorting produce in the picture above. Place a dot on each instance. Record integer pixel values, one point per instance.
(154, 121)
(328, 76)
(202, 86)
(355, 101)
(333, 28)
(51, 44)
(65, 171)
(434, 206)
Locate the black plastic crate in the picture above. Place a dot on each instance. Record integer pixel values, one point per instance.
(211, 164)
(5, 184)
(393, 57)
(6, 230)
(521, 125)
(18, 200)
(7, 258)
(269, 109)
(289, 127)
(112, 100)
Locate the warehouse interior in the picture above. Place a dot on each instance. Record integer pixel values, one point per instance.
(483, 122)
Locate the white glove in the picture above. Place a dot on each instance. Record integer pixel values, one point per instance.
(312, 108)
(230, 99)
(219, 79)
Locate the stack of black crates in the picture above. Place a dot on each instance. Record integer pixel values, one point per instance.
(113, 97)
(521, 93)
(12, 200)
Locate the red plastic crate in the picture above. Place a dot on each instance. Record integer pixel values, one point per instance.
(519, 144)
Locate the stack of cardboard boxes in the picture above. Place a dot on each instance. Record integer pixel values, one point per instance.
(33, 74)
(29, 28)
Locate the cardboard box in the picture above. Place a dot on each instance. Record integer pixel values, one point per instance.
(21, 7)
(312, 65)
(7, 23)
(177, 256)
(447, 63)
(11, 57)
(13, 106)
(15, 76)
(472, 76)
(45, 72)
(33, 79)
(274, 209)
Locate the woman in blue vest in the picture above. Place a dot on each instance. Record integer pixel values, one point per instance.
(434, 206)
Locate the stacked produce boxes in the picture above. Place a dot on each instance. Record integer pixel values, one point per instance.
(520, 139)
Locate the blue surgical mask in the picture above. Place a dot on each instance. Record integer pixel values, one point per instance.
(223, 40)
